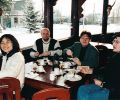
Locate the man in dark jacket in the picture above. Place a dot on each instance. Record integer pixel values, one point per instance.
(83, 53)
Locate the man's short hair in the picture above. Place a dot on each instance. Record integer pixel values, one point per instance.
(45, 29)
(87, 33)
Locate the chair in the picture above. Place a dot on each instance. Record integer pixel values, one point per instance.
(103, 54)
(52, 93)
(10, 89)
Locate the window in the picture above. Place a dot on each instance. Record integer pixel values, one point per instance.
(18, 19)
(114, 17)
(92, 16)
(62, 19)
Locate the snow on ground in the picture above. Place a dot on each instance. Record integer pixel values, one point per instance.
(24, 38)
(61, 31)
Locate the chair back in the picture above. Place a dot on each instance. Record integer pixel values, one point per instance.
(52, 93)
(103, 54)
(10, 89)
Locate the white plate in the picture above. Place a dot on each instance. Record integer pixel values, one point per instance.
(73, 78)
(67, 64)
(31, 75)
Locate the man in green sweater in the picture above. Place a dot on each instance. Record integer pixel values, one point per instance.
(82, 52)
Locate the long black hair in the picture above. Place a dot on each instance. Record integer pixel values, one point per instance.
(15, 44)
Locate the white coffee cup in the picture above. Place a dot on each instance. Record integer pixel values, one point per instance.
(66, 65)
(79, 68)
(56, 71)
(34, 67)
(40, 69)
(41, 61)
(52, 76)
(71, 73)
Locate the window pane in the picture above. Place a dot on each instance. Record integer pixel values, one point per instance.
(18, 18)
(114, 17)
(92, 19)
(62, 19)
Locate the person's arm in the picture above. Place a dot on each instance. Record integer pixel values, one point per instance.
(34, 52)
(69, 50)
(57, 49)
(77, 61)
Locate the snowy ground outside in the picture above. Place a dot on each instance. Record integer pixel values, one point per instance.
(27, 39)
(24, 38)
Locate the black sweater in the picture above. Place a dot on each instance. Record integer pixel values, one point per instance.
(111, 73)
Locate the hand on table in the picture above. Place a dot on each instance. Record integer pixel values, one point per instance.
(47, 53)
(86, 70)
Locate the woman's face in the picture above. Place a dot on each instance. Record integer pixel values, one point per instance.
(6, 45)
(116, 44)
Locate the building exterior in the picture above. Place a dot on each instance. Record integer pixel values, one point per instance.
(13, 18)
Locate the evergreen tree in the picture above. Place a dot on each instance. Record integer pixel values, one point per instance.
(31, 18)
(5, 4)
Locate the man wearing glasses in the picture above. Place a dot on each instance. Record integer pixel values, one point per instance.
(82, 52)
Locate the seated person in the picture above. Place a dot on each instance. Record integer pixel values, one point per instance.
(12, 59)
(83, 53)
(46, 46)
(109, 76)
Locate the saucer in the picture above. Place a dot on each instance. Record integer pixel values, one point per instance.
(73, 78)
(31, 75)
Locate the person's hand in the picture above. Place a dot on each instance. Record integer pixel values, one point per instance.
(69, 53)
(47, 53)
(98, 82)
(76, 60)
(36, 54)
(86, 70)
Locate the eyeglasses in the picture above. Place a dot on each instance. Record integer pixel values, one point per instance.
(85, 38)
(116, 41)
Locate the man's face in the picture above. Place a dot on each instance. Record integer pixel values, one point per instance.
(116, 44)
(45, 35)
(84, 40)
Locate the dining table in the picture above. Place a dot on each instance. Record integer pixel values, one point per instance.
(42, 79)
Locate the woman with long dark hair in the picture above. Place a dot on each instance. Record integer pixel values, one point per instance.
(12, 59)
